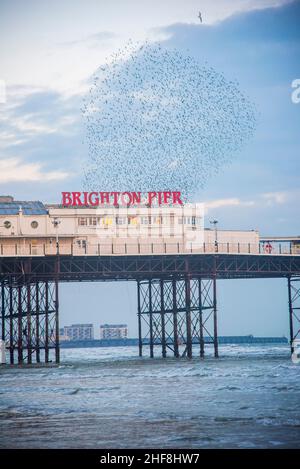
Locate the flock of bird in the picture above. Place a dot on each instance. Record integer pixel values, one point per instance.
(156, 119)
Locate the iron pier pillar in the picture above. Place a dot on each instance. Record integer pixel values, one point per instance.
(139, 318)
(294, 310)
(175, 322)
(189, 343)
(162, 320)
(216, 345)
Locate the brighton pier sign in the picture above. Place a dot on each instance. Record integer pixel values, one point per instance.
(117, 199)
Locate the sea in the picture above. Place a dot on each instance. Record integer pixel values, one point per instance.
(111, 398)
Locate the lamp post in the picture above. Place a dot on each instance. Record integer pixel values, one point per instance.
(56, 222)
(215, 223)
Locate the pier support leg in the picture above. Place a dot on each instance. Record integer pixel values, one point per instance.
(216, 347)
(175, 323)
(151, 320)
(29, 315)
(162, 320)
(294, 310)
(189, 343)
(139, 319)
(56, 304)
(177, 312)
(201, 335)
(207, 316)
(2, 306)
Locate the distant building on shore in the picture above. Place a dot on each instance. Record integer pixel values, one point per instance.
(78, 332)
(113, 331)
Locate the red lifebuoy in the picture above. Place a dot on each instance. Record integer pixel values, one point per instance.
(268, 248)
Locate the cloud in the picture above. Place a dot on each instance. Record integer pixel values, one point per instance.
(261, 200)
(272, 198)
(230, 202)
(29, 116)
(15, 170)
(260, 40)
(92, 39)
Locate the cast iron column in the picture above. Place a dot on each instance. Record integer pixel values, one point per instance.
(291, 315)
(162, 312)
(139, 319)
(151, 319)
(189, 345)
(215, 317)
(201, 318)
(57, 351)
(175, 322)
(37, 322)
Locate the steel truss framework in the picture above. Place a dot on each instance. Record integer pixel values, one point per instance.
(177, 307)
(177, 314)
(294, 310)
(29, 320)
(89, 268)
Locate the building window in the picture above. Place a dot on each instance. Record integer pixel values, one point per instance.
(113, 331)
(121, 220)
(7, 224)
(82, 221)
(145, 220)
(132, 220)
(34, 224)
(81, 243)
(93, 221)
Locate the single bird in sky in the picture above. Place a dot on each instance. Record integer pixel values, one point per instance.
(200, 17)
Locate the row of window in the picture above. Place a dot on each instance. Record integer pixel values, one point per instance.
(130, 220)
(134, 220)
(7, 224)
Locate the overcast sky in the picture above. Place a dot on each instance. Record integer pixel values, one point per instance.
(49, 50)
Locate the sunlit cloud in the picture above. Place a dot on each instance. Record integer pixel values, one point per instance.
(230, 202)
(15, 170)
(272, 198)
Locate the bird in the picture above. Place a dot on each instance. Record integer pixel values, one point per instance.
(154, 121)
(200, 17)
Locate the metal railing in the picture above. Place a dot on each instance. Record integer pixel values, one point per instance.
(130, 248)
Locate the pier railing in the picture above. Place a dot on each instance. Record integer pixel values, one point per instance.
(150, 248)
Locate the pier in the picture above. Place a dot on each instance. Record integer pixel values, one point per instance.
(176, 278)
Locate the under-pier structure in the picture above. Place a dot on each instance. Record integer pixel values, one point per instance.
(41, 247)
(177, 298)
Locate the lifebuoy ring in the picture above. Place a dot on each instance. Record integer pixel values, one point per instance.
(268, 248)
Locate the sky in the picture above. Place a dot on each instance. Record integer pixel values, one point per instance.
(48, 52)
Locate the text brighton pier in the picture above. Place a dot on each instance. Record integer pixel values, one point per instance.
(83, 199)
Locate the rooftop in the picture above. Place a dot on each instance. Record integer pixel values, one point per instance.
(9, 206)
